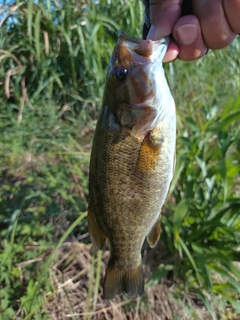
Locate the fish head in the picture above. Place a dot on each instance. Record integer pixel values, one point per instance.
(136, 80)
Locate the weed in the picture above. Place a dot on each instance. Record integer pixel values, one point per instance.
(53, 61)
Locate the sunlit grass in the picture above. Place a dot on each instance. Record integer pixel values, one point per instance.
(53, 61)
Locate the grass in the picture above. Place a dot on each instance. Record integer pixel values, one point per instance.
(53, 60)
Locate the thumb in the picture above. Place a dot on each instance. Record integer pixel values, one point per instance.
(163, 16)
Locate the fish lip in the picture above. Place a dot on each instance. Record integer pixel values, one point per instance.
(148, 49)
(123, 35)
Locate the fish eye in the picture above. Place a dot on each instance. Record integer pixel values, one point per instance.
(121, 74)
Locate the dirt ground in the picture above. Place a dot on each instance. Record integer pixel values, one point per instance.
(77, 295)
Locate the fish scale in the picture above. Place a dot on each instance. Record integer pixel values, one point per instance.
(132, 161)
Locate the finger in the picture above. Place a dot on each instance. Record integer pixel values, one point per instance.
(163, 16)
(187, 34)
(232, 13)
(216, 31)
(172, 52)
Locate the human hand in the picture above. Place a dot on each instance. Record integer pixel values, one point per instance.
(214, 24)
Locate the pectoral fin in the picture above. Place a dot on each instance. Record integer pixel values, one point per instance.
(154, 234)
(149, 152)
(97, 235)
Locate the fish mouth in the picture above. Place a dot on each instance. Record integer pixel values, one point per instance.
(145, 48)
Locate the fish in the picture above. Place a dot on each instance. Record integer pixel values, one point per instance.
(132, 160)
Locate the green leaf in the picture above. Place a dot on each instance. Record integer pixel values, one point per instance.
(191, 259)
(178, 216)
(159, 273)
(37, 34)
(223, 123)
(29, 19)
(202, 264)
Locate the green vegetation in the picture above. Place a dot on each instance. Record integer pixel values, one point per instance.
(53, 60)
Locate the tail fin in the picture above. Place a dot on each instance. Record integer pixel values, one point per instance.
(122, 281)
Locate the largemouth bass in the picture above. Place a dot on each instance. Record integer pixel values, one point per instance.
(132, 160)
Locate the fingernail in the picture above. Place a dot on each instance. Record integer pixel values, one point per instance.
(187, 34)
(155, 33)
(151, 33)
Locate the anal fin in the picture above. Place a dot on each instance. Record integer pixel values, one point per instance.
(97, 235)
(154, 234)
